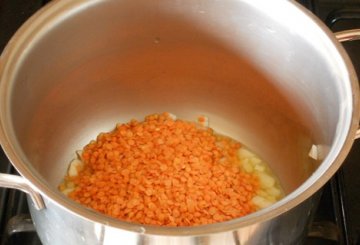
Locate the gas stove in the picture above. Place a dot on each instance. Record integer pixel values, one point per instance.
(337, 220)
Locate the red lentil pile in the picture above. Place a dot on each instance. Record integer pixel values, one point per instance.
(164, 172)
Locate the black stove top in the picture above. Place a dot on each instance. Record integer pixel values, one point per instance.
(337, 219)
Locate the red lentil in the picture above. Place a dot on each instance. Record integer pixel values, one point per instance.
(164, 172)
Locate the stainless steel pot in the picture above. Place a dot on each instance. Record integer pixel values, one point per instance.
(268, 74)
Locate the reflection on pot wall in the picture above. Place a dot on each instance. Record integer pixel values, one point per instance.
(85, 84)
(287, 229)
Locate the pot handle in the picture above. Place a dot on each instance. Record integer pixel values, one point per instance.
(344, 36)
(19, 183)
(348, 35)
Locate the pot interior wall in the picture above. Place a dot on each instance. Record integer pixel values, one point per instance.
(257, 78)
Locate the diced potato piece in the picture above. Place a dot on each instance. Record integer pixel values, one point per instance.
(266, 181)
(261, 202)
(75, 165)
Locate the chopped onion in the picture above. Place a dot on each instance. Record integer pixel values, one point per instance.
(270, 190)
(75, 164)
(261, 202)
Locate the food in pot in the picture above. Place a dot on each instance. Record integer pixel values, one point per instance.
(170, 172)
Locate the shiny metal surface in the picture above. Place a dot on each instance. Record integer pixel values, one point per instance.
(357, 135)
(325, 230)
(287, 229)
(20, 183)
(267, 74)
(349, 35)
(20, 223)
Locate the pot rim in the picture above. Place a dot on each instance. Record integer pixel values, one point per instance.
(60, 9)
